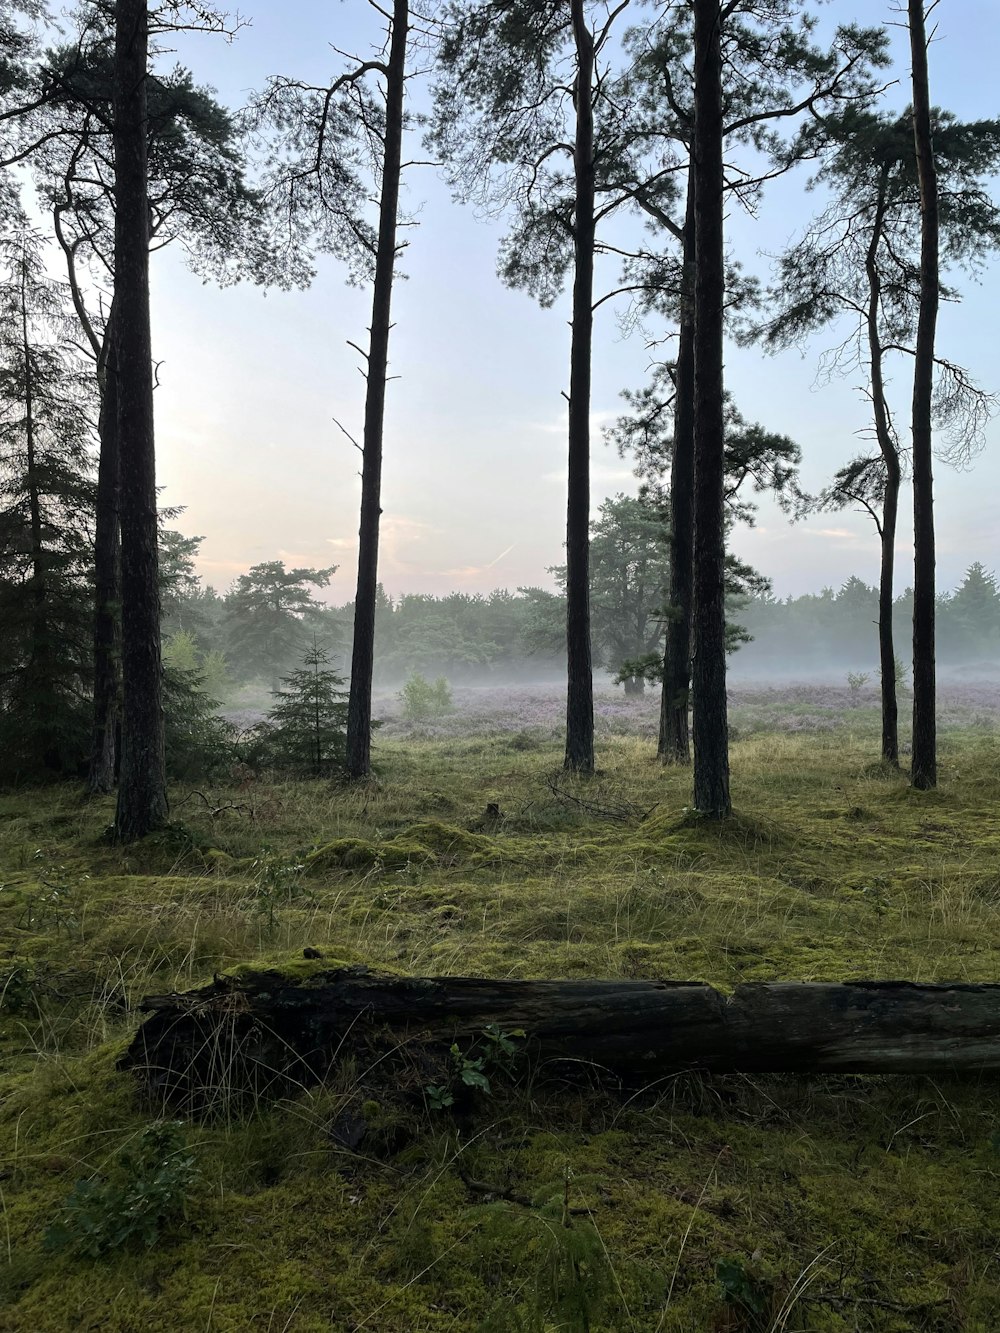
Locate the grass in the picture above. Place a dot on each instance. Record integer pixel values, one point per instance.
(698, 1203)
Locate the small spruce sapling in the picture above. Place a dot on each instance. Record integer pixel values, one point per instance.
(306, 728)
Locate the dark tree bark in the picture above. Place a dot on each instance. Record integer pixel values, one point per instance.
(42, 647)
(269, 1033)
(579, 665)
(107, 583)
(924, 762)
(142, 795)
(710, 720)
(359, 708)
(890, 502)
(674, 745)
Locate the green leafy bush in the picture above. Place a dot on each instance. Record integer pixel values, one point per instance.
(423, 699)
(148, 1191)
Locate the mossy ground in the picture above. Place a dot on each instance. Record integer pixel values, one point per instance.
(843, 1204)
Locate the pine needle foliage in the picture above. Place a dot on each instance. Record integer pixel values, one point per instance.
(306, 729)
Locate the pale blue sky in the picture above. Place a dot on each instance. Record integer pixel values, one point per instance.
(474, 481)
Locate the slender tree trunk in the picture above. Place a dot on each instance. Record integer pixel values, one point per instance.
(579, 665)
(886, 644)
(674, 745)
(710, 721)
(890, 502)
(142, 792)
(40, 658)
(359, 707)
(924, 763)
(107, 583)
(104, 748)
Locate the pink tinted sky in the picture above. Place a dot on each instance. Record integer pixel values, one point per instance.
(475, 469)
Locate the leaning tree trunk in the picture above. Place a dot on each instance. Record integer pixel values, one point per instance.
(890, 502)
(266, 1033)
(579, 665)
(359, 707)
(142, 791)
(674, 746)
(107, 584)
(710, 721)
(924, 762)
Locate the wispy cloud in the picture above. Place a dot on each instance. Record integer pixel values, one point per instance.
(469, 573)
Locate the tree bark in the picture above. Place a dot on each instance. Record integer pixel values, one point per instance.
(924, 762)
(142, 794)
(268, 1033)
(710, 719)
(890, 502)
(579, 664)
(359, 707)
(674, 745)
(40, 657)
(107, 583)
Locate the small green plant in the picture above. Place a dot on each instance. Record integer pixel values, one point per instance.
(53, 907)
(856, 681)
(423, 699)
(276, 881)
(565, 1279)
(149, 1190)
(742, 1290)
(498, 1053)
(900, 674)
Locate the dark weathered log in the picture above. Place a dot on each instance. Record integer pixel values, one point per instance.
(268, 1031)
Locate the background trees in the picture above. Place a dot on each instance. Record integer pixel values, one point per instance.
(267, 616)
(858, 264)
(46, 519)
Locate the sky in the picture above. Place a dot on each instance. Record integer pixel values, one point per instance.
(474, 486)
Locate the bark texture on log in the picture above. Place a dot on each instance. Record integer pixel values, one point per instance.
(268, 1032)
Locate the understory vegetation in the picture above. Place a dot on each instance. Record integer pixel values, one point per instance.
(697, 1203)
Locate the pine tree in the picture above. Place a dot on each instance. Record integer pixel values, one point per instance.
(46, 516)
(306, 729)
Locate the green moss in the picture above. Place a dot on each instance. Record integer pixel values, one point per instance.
(856, 1205)
(359, 854)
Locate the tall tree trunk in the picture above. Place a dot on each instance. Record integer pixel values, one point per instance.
(142, 791)
(107, 582)
(674, 745)
(40, 656)
(924, 763)
(579, 665)
(359, 707)
(890, 502)
(710, 720)
(104, 748)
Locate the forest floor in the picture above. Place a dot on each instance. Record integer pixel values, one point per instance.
(754, 1205)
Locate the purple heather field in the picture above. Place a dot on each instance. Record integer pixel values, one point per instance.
(537, 711)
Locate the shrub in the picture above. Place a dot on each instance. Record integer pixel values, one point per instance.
(149, 1190)
(423, 699)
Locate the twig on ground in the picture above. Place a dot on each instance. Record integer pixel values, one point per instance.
(624, 813)
(215, 810)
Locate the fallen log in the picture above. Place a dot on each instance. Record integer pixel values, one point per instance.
(260, 1033)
